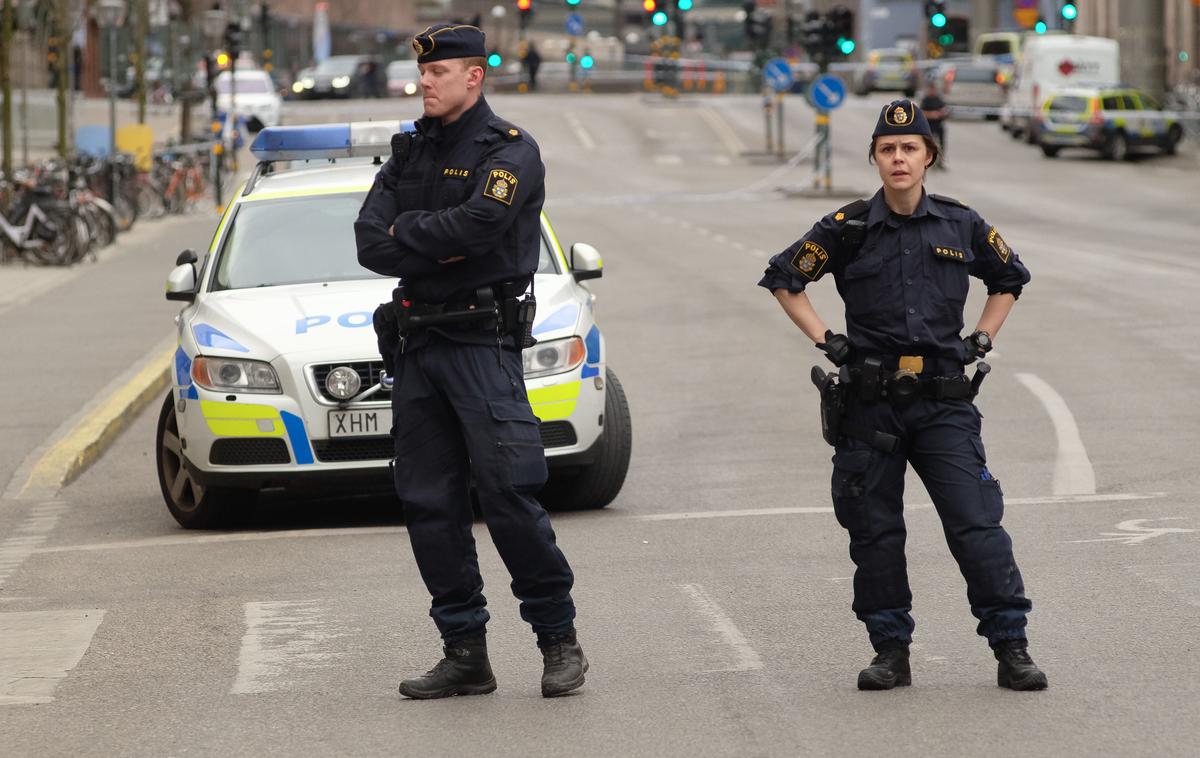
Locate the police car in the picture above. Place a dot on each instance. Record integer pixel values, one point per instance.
(1112, 120)
(278, 382)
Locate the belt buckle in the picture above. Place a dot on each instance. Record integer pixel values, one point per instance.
(913, 363)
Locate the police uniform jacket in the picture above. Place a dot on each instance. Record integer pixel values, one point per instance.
(472, 188)
(905, 288)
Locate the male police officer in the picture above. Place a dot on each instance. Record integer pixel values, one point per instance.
(901, 263)
(455, 213)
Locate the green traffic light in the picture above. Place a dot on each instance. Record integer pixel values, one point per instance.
(845, 45)
(685, 5)
(570, 57)
(1069, 11)
(586, 62)
(938, 20)
(659, 19)
(1040, 27)
(494, 60)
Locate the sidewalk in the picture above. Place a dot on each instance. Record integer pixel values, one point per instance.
(70, 336)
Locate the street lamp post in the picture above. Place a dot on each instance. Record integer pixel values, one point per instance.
(111, 14)
(214, 27)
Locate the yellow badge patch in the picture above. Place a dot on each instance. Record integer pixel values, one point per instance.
(501, 186)
(513, 133)
(999, 245)
(952, 253)
(459, 173)
(839, 216)
(810, 259)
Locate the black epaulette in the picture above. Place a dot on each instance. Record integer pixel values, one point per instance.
(950, 200)
(856, 210)
(507, 130)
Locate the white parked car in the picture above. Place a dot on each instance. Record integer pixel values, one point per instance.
(403, 78)
(254, 96)
(277, 379)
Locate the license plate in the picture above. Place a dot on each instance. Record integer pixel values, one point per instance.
(360, 423)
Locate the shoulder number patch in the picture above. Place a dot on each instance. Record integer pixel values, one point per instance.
(501, 186)
(953, 253)
(998, 244)
(810, 259)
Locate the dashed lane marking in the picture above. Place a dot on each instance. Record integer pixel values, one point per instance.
(29, 535)
(745, 658)
(39, 648)
(1073, 473)
(581, 133)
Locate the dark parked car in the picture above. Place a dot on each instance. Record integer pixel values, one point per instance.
(342, 76)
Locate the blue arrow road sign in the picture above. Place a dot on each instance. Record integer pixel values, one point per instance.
(574, 25)
(827, 92)
(778, 73)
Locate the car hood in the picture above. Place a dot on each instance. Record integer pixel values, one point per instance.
(335, 319)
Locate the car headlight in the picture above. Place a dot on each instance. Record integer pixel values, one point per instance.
(235, 375)
(410, 88)
(553, 357)
(341, 81)
(343, 382)
(308, 83)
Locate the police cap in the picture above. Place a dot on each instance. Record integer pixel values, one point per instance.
(901, 117)
(442, 41)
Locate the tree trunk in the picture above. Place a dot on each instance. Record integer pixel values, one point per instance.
(62, 32)
(184, 77)
(6, 127)
(141, 28)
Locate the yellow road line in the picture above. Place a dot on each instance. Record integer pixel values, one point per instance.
(85, 443)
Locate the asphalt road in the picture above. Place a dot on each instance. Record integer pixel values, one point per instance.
(714, 593)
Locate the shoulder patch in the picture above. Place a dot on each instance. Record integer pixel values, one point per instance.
(997, 243)
(950, 200)
(810, 259)
(501, 186)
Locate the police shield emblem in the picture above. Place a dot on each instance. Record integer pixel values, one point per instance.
(501, 186)
(899, 116)
(810, 259)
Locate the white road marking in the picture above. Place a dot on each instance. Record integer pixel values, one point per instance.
(724, 131)
(722, 160)
(668, 160)
(284, 641)
(28, 537)
(581, 133)
(746, 658)
(1073, 473)
(1133, 533)
(39, 648)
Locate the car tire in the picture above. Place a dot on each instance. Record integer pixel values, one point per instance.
(192, 504)
(1050, 151)
(1174, 135)
(600, 482)
(1116, 147)
(1030, 135)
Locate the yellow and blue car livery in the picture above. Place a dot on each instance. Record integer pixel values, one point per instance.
(1112, 120)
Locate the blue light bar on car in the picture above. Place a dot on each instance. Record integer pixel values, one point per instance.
(323, 141)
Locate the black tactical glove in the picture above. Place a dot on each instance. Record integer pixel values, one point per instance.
(836, 347)
(976, 345)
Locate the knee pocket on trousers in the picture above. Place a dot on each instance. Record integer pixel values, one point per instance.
(990, 493)
(520, 458)
(850, 469)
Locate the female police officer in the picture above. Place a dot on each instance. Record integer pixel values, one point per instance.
(901, 263)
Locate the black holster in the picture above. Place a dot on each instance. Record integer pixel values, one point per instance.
(387, 335)
(833, 404)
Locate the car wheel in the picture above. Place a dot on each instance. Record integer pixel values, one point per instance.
(1117, 147)
(598, 484)
(1030, 135)
(1174, 135)
(1050, 151)
(192, 504)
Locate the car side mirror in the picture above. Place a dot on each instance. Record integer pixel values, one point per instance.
(181, 282)
(586, 262)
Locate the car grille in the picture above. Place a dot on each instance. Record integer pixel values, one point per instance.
(249, 452)
(558, 434)
(348, 449)
(368, 372)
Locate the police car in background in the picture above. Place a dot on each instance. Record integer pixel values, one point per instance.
(277, 380)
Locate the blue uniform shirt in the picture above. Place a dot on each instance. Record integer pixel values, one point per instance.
(905, 288)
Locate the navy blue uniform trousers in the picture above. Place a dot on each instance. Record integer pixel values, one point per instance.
(941, 440)
(460, 413)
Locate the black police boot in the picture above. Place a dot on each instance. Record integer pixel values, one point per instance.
(1017, 671)
(563, 663)
(464, 671)
(888, 669)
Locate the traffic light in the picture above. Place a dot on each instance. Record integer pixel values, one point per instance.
(1040, 27)
(586, 61)
(1070, 11)
(572, 3)
(659, 18)
(759, 23)
(495, 59)
(683, 5)
(524, 11)
(233, 40)
(842, 20)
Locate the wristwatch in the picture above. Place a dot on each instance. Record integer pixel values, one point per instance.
(982, 339)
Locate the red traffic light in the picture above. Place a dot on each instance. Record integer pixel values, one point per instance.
(524, 5)
(649, 6)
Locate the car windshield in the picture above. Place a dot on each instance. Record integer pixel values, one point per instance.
(301, 240)
(245, 85)
(338, 66)
(996, 47)
(1069, 104)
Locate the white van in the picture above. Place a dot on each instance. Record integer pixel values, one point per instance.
(1053, 61)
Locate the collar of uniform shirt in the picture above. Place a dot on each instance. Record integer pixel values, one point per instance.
(433, 128)
(880, 212)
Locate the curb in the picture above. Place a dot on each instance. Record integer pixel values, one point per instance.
(80, 447)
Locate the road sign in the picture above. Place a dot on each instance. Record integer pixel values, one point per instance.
(1026, 17)
(778, 74)
(827, 92)
(574, 24)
